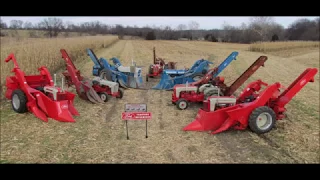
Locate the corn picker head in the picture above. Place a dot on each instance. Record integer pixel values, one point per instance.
(96, 90)
(256, 108)
(170, 78)
(209, 85)
(39, 95)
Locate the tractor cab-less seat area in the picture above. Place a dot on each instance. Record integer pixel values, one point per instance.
(124, 69)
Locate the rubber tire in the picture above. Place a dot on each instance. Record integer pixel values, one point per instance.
(204, 71)
(105, 74)
(147, 78)
(104, 94)
(254, 115)
(23, 101)
(197, 74)
(121, 94)
(182, 100)
(150, 69)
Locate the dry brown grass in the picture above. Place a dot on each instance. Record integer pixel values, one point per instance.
(33, 53)
(21, 34)
(99, 134)
(282, 45)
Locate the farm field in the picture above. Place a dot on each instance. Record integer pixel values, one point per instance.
(99, 135)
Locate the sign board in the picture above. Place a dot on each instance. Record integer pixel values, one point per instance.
(136, 112)
(136, 115)
(135, 108)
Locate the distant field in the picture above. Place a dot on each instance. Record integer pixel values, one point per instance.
(99, 135)
(36, 33)
(286, 48)
(32, 53)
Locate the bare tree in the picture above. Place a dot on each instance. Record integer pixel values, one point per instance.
(69, 25)
(262, 25)
(16, 24)
(182, 27)
(27, 25)
(3, 25)
(53, 26)
(303, 29)
(193, 26)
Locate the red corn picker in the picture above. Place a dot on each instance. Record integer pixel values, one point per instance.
(156, 69)
(96, 90)
(39, 95)
(254, 108)
(207, 86)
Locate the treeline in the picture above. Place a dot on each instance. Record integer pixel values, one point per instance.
(258, 29)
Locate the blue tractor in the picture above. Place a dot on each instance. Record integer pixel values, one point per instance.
(126, 76)
(199, 67)
(195, 73)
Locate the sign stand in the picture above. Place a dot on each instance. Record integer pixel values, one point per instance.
(127, 129)
(136, 112)
(146, 129)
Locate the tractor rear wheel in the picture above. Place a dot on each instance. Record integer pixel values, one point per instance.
(150, 69)
(182, 104)
(19, 101)
(105, 74)
(120, 94)
(211, 92)
(204, 71)
(104, 96)
(262, 120)
(197, 76)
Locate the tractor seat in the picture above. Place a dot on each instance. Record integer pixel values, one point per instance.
(124, 69)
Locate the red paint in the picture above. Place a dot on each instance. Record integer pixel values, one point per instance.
(42, 105)
(237, 116)
(136, 116)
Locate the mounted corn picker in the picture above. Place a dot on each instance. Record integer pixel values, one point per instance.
(96, 90)
(158, 66)
(38, 94)
(256, 108)
(209, 86)
(195, 73)
(126, 76)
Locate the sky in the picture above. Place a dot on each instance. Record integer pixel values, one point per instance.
(205, 22)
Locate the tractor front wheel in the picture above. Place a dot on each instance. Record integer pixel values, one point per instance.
(120, 94)
(262, 120)
(104, 96)
(19, 101)
(182, 104)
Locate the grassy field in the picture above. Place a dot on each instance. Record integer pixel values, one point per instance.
(99, 135)
(285, 49)
(31, 53)
(21, 34)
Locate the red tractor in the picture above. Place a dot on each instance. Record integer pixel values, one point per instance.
(200, 90)
(39, 95)
(96, 90)
(156, 69)
(259, 109)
